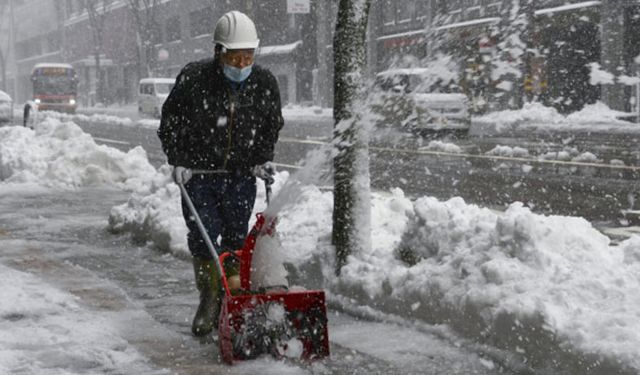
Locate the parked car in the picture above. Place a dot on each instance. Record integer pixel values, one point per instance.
(6, 107)
(412, 100)
(152, 92)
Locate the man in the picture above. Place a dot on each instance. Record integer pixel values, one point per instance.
(218, 129)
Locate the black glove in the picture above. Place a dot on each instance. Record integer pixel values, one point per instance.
(265, 171)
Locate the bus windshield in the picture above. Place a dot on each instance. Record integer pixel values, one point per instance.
(61, 85)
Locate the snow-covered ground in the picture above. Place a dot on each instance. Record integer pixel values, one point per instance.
(535, 116)
(551, 288)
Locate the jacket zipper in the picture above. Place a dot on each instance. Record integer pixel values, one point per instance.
(229, 133)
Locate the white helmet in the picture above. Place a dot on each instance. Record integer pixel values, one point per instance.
(234, 30)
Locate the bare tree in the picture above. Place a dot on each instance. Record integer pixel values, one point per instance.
(145, 14)
(351, 212)
(97, 12)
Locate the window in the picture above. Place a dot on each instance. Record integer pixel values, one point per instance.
(389, 12)
(146, 89)
(173, 29)
(201, 21)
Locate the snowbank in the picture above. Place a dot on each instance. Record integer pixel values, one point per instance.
(596, 117)
(550, 288)
(296, 111)
(59, 154)
(546, 287)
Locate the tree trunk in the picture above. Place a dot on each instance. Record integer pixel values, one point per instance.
(351, 212)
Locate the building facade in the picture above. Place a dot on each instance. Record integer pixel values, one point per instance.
(161, 41)
(563, 42)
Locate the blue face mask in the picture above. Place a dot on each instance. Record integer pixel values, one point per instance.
(236, 74)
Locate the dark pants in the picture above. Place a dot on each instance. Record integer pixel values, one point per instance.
(224, 204)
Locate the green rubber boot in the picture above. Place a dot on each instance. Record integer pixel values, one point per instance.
(208, 283)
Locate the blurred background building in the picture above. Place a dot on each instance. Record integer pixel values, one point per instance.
(562, 53)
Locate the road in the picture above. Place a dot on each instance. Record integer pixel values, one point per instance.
(597, 190)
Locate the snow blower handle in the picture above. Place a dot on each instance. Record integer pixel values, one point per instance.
(203, 231)
(267, 189)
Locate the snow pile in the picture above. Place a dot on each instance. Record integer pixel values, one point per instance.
(44, 330)
(530, 113)
(598, 112)
(155, 215)
(115, 119)
(570, 154)
(100, 118)
(508, 151)
(442, 147)
(60, 154)
(479, 270)
(536, 116)
(296, 111)
(549, 288)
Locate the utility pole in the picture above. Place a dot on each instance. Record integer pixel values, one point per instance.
(12, 41)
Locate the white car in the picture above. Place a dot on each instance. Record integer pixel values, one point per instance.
(407, 100)
(6, 107)
(152, 92)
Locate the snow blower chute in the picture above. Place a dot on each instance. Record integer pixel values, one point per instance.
(276, 321)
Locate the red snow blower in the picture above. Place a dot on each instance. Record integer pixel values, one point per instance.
(274, 321)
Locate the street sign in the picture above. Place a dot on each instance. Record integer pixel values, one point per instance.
(299, 6)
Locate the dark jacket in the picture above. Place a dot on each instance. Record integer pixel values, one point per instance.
(207, 123)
